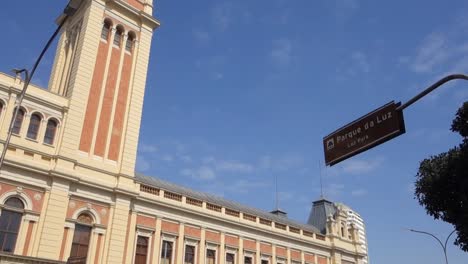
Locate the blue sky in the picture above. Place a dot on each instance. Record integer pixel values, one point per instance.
(241, 92)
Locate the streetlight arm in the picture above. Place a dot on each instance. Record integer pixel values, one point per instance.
(422, 232)
(28, 77)
(432, 88)
(446, 240)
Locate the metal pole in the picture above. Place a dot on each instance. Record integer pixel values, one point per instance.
(444, 246)
(432, 88)
(27, 80)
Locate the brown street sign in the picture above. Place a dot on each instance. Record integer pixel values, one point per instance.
(364, 133)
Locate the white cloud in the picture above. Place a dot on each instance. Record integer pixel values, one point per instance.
(222, 16)
(285, 196)
(359, 192)
(167, 158)
(360, 60)
(147, 148)
(285, 162)
(433, 51)
(245, 186)
(442, 51)
(185, 158)
(355, 166)
(203, 173)
(281, 53)
(234, 166)
(333, 190)
(207, 160)
(142, 164)
(201, 36)
(344, 9)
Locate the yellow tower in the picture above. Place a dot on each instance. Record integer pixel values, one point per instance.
(101, 65)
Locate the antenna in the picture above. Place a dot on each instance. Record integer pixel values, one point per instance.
(321, 184)
(276, 190)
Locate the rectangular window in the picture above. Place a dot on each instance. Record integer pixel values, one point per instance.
(166, 252)
(210, 256)
(264, 261)
(9, 227)
(247, 260)
(128, 45)
(189, 257)
(80, 244)
(141, 250)
(229, 258)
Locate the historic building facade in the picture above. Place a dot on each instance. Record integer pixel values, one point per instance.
(68, 187)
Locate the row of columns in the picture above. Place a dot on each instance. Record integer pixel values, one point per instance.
(156, 236)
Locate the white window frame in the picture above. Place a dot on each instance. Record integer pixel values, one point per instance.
(190, 242)
(230, 251)
(280, 261)
(143, 233)
(214, 247)
(168, 238)
(250, 255)
(265, 257)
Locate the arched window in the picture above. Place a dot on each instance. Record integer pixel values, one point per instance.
(34, 125)
(118, 36)
(105, 30)
(51, 129)
(129, 43)
(18, 122)
(81, 238)
(10, 221)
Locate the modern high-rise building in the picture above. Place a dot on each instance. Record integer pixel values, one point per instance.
(355, 219)
(324, 210)
(68, 187)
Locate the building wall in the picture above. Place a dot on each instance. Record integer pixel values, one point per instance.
(86, 176)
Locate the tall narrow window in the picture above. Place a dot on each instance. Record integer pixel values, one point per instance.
(229, 258)
(105, 30)
(118, 37)
(210, 256)
(166, 252)
(247, 260)
(141, 250)
(80, 244)
(130, 40)
(9, 224)
(34, 125)
(129, 44)
(51, 129)
(18, 122)
(189, 257)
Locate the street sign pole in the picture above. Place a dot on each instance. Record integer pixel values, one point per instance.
(374, 128)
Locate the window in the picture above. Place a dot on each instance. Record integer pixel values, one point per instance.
(189, 254)
(51, 129)
(105, 30)
(129, 43)
(210, 256)
(118, 37)
(141, 250)
(34, 125)
(18, 122)
(81, 238)
(9, 224)
(247, 260)
(264, 261)
(166, 252)
(229, 258)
